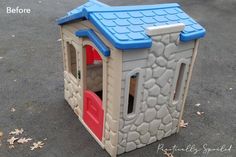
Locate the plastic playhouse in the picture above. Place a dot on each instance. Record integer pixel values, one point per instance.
(127, 70)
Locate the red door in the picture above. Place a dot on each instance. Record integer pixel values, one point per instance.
(93, 113)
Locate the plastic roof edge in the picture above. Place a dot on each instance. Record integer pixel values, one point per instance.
(95, 39)
(81, 12)
(192, 36)
(89, 11)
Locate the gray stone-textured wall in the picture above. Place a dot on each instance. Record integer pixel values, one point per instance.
(158, 116)
(72, 92)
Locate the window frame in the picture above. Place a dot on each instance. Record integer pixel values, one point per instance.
(180, 85)
(138, 93)
(68, 62)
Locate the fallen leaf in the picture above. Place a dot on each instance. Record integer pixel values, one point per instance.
(197, 104)
(200, 113)
(17, 132)
(183, 124)
(11, 146)
(23, 140)
(167, 154)
(13, 109)
(12, 140)
(1, 135)
(36, 145)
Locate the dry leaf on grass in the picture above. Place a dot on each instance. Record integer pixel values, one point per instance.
(13, 109)
(23, 140)
(183, 124)
(200, 113)
(17, 132)
(36, 145)
(12, 140)
(167, 154)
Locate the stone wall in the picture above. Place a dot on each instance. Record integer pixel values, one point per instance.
(72, 91)
(158, 115)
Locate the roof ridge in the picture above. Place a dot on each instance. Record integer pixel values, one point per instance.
(124, 25)
(132, 7)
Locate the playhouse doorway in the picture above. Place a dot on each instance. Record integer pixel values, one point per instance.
(93, 114)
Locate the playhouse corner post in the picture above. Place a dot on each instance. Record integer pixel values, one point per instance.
(195, 51)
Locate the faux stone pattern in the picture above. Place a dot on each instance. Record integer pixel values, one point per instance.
(73, 89)
(158, 116)
(72, 92)
(110, 131)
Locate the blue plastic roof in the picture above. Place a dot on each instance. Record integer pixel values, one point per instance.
(124, 26)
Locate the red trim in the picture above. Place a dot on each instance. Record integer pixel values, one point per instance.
(92, 55)
(89, 54)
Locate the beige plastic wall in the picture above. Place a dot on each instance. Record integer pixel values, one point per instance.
(111, 78)
(122, 134)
